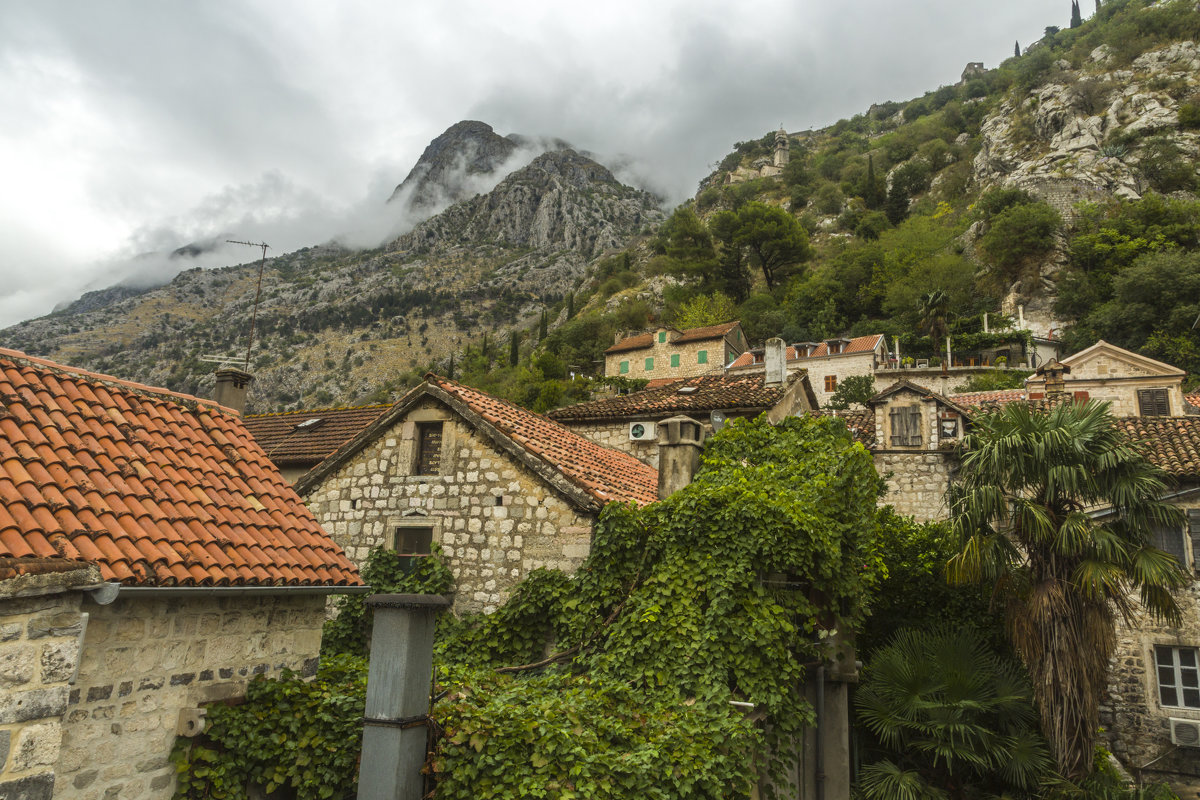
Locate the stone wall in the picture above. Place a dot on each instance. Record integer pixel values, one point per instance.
(716, 351)
(39, 651)
(495, 519)
(916, 482)
(146, 658)
(1137, 725)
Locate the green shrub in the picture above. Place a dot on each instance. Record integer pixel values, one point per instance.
(828, 199)
(1165, 166)
(1018, 235)
(1189, 116)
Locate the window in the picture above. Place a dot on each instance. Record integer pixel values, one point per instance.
(831, 383)
(413, 541)
(662, 336)
(675, 359)
(1170, 539)
(649, 364)
(429, 449)
(1153, 403)
(1178, 675)
(906, 426)
(624, 367)
(702, 357)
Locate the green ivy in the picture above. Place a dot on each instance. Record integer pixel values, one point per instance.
(302, 736)
(387, 572)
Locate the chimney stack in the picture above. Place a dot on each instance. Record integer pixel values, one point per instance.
(679, 442)
(775, 356)
(232, 385)
(1053, 373)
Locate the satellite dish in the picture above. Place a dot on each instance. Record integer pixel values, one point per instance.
(717, 418)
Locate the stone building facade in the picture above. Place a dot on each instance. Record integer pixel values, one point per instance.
(503, 491)
(827, 363)
(1132, 383)
(666, 353)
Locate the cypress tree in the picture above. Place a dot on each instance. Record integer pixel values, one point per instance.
(1017, 49)
(450, 367)
(570, 305)
(872, 196)
(514, 349)
(1076, 17)
(484, 347)
(542, 326)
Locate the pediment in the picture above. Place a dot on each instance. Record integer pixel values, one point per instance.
(1104, 360)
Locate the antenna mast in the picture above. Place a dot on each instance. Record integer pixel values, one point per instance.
(257, 295)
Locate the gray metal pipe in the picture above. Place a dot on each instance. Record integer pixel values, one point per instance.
(395, 724)
(105, 593)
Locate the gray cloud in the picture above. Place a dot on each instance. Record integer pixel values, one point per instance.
(144, 126)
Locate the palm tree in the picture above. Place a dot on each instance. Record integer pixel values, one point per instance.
(1021, 511)
(935, 318)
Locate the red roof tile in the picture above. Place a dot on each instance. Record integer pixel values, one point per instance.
(602, 472)
(643, 340)
(710, 393)
(156, 488)
(1171, 443)
(288, 441)
(861, 344)
(997, 397)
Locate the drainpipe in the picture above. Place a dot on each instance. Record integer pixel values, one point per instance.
(819, 750)
(395, 729)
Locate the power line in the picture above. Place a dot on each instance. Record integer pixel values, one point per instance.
(257, 295)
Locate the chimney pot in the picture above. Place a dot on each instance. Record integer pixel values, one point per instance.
(679, 442)
(775, 356)
(232, 386)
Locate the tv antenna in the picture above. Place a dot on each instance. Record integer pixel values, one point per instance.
(257, 294)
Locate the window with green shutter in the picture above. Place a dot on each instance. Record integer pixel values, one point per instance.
(624, 367)
(702, 357)
(662, 336)
(675, 359)
(649, 364)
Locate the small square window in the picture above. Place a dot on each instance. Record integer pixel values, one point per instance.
(413, 541)
(675, 359)
(649, 364)
(624, 367)
(429, 449)
(1153, 403)
(702, 357)
(662, 336)
(1170, 539)
(831, 383)
(1178, 671)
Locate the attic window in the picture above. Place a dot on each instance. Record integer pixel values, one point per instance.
(309, 424)
(1153, 403)
(687, 389)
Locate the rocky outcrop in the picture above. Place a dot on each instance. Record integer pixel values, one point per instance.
(442, 175)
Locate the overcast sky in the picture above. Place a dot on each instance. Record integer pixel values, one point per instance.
(133, 127)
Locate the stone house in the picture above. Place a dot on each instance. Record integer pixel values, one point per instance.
(666, 353)
(152, 559)
(1134, 384)
(502, 490)
(827, 363)
(628, 422)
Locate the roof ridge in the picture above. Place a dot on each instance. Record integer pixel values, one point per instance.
(110, 380)
(317, 410)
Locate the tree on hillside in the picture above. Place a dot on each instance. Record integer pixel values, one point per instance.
(771, 238)
(1016, 49)
(731, 275)
(1076, 17)
(1020, 510)
(705, 309)
(874, 190)
(935, 318)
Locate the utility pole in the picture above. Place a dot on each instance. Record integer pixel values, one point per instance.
(257, 295)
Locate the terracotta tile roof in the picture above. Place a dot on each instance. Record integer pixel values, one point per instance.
(643, 340)
(1171, 443)
(601, 472)
(292, 439)
(993, 398)
(711, 392)
(861, 344)
(155, 488)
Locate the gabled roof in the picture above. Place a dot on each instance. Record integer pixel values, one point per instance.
(927, 394)
(705, 393)
(644, 340)
(587, 473)
(861, 344)
(156, 488)
(305, 438)
(1102, 347)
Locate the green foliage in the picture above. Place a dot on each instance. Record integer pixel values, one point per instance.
(946, 713)
(828, 198)
(1189, 116)
(290, 736)
(1166, 166)
(1018, 236)
(853, 390)
(387, 572)
(1018, 510)
(705, 309)
(770, 237)
(722, 591)
(995, 380)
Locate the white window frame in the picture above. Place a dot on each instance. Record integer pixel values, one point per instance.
(1177, 672)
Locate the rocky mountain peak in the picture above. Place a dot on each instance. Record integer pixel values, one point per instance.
(442, 175)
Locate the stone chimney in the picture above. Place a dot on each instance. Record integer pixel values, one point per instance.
(775, 357)
(232, 385)
(679, 442)
(1052, 371)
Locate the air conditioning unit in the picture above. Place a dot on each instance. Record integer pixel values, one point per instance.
(1185, 732)
(641, 431)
